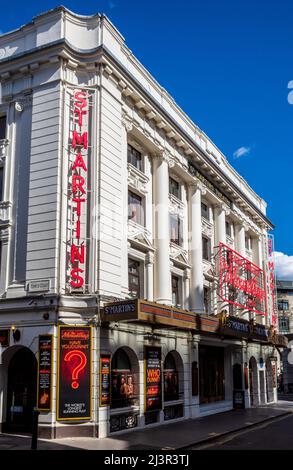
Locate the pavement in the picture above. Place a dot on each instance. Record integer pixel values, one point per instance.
(171, 436)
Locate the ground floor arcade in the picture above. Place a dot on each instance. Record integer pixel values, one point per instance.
(135, 374)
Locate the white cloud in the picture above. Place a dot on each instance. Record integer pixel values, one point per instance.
(241, 152)
(284, 266)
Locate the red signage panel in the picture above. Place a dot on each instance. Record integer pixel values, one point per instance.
(153, 378)
(105, 370)
(241, 282)
(74, 373)
(45, 372)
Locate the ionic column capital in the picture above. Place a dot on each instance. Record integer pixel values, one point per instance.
(166, 156)
(197, 185)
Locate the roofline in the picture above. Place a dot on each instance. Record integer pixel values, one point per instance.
(142, 90)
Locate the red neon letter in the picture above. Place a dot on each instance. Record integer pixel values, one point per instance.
(79, 162)
(78, 205)
(77, 281)
(78, 184)
(80, 102)
(78, 139)
(76, 255)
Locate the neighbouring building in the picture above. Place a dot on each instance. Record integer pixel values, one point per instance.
(285, 306)
(136, 285)
(285, 318)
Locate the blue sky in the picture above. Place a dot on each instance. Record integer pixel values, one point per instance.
(228, 65)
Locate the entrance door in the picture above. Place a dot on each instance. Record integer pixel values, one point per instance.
(253, 382)
(21, 390)
(211, 370)
(269, 381)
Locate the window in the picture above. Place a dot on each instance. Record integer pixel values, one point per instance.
(174, 188)
(207, 300)
(134, 278)
(284, 325)
(1, 182)
(171, 384)
(176, 294)
(175, 229)
(135, 208)
(283, 305)
(2, 127)
(206, 248)
(228, 229)
(205, 211)
(134, 157)
(248, 243)
(123, 381)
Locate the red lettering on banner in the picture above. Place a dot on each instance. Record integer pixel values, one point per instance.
(78, 186)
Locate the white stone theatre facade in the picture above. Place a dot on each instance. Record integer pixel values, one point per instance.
(137, 285)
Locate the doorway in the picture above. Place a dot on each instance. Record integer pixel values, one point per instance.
(253, 382)
(21, 391)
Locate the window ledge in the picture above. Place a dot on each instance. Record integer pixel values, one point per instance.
(127, 409)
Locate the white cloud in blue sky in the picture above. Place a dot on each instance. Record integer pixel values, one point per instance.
(284, 266)
(241, 152)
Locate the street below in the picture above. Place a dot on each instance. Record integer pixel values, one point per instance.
(275, 435)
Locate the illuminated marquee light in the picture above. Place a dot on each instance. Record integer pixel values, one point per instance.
(78, 187)
(241, 283)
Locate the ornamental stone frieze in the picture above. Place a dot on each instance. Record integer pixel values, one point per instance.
(178, 254)
(176, 206)
(137, 180)
(206, 228)
(139, 234)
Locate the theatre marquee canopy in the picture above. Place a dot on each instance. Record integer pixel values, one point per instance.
(149, 312)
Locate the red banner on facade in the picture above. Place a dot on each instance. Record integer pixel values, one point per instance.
(78, 188)
(241, 282)
(74, 373)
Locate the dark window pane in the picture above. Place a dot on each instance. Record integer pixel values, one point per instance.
(3, 127)
(174, 188)
(207, 299)
(175, 229)
(1, 183)
(134, 157)
(228, 229)
(206, 248)
(176, 297)
(135, 208)
(283, 305)
(205, 211)
(171, 382)
(134, 278)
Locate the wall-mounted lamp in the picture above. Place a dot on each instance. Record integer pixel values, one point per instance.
(15, 333)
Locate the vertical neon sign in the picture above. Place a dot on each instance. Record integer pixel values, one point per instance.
(272, 280)
(78, 188)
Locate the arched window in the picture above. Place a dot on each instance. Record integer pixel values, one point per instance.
(171, 382)
(123, 380)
